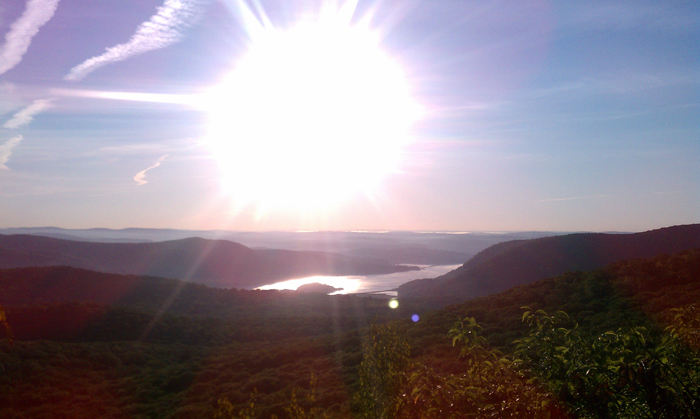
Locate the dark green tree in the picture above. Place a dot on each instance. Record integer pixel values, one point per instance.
(383, 373)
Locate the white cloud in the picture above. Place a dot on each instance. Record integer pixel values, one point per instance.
(18, 39)
(26, 115)
(6, 150)
(573, 198)
(141, 176)
(162, 29)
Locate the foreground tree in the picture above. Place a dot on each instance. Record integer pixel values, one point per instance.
(630, 373)
(555, 372)
(391, 386)
(383, 373)
(489, 387)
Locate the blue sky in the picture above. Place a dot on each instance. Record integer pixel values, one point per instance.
(536, 115)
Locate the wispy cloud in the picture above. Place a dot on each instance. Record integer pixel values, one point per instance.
(132, 149)
(141, 176)
(18, 39)
(573, 198)
(625, 15)
(129, 96)
(26, 115)
(6, 150)
(623, 83)
(7, 87)
(162, 29)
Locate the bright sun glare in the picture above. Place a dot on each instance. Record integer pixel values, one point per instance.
(309, 116)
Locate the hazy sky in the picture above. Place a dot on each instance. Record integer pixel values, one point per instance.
(380, 115)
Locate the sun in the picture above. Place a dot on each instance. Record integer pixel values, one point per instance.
(310, 116)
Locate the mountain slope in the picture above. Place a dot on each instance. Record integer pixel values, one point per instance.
(519, 262)
(213, 262)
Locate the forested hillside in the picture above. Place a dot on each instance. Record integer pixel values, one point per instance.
(123, 347)
(506, 265)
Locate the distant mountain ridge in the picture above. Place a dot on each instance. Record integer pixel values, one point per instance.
(394, 247)
(218, 263)
(508, 264)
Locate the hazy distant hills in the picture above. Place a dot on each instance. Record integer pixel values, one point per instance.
(519, 262)
(394, 247)
(217, 263)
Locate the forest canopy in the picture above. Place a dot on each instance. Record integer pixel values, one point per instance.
(632, 326)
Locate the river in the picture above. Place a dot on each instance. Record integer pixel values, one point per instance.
(365, 283)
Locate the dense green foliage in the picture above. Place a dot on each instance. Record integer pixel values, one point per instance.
(628, 348)
(488, 385)
(628, 373)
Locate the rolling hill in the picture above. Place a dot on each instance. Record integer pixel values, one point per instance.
(218, 263)
(519, 262)
(395, 247)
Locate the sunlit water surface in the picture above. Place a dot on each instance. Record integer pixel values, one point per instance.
(365, 283)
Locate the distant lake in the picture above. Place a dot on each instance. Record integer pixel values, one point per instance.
(365, 283)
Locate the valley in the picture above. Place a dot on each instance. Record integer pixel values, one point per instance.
(349, 209)
(89, 343)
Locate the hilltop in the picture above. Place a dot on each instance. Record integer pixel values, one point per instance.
(505, 265)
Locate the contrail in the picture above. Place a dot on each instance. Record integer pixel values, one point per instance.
(18, 39)
(162, 29)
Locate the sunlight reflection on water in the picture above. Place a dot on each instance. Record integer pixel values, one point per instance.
(365, 283)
